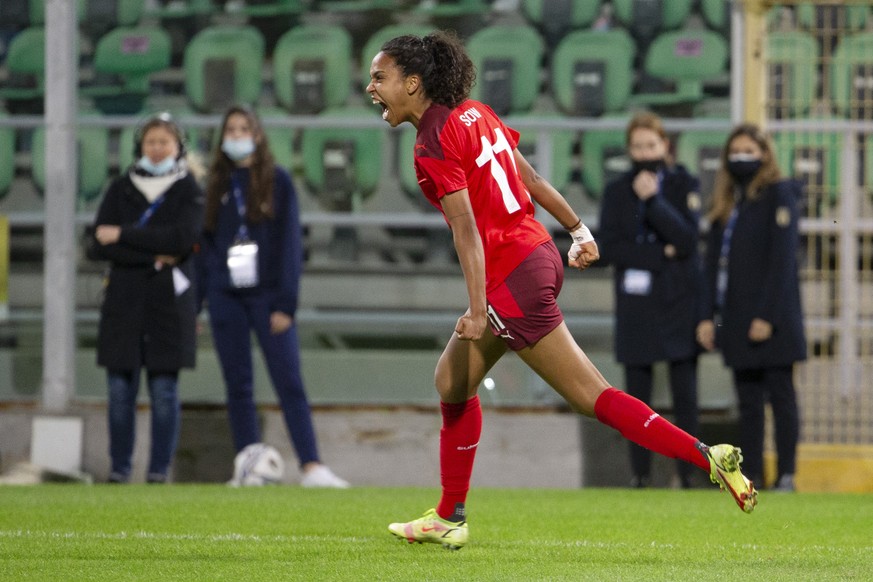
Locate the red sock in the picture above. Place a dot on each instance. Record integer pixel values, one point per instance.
(642, 425)
(459, 438)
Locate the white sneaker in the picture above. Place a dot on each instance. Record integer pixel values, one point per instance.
(322, 476)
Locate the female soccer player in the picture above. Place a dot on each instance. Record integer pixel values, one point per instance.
(469, 167)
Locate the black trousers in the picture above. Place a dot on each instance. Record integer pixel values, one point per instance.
(683, 386)
(754, 389)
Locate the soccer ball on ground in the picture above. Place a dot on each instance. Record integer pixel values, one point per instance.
(257, 464)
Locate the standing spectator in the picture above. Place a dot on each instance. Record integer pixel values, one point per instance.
(752, 309)
(252, 261)
(146, 227)
(649, 233)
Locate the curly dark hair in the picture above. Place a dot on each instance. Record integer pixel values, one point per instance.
(440, 59)
(259, 202)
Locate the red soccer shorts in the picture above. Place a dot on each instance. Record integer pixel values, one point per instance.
(524, 308)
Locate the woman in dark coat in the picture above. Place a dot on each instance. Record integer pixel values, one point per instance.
(146, 227)
(649, 233)
(752, 309)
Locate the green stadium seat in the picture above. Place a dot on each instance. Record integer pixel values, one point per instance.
(312, 68)
(223, 65)
(840, 16)
(686, 58)
(592, 72)
(123, 61)
(851, 76)
(7, 160)
(814, 160)
(342, 165)
(92, 152)
(508, 60)
(561, 154)
(646, 19)
(604, 158)
(25, 61)
(555, 18)
(374, 44)
(716, 14)
(700, 153)
(792, 61)
(406, 168)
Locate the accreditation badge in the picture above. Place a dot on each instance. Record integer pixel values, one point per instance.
(637, 282)
(242, 264)
(783, 216)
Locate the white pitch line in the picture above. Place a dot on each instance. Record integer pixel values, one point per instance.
(144, 535)
(238, 537)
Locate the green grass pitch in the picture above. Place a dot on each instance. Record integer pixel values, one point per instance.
(213, 532)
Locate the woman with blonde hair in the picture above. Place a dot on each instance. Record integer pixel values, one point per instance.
(752, 310)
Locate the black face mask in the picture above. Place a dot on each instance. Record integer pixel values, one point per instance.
(743, 170)
(647, 166)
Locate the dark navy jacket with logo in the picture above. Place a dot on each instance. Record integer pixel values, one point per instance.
(762, 281)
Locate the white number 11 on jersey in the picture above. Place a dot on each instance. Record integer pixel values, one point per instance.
(488, 154)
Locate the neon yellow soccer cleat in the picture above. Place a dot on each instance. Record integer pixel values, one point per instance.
(724, 470)
(432, 529)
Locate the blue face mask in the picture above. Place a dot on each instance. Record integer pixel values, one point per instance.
(238, 149)
(157, 169)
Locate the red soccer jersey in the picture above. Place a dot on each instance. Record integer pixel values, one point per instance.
(469, 147)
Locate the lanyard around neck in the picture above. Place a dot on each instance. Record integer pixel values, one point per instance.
(146, 216)
(243, 231)
(724, 256)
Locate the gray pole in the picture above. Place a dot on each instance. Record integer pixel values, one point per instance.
(58, 368)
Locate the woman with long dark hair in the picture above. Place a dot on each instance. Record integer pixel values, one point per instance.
(252, 257)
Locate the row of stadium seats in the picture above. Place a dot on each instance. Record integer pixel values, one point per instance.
(341, 166)
(644, 18)
(591, 72)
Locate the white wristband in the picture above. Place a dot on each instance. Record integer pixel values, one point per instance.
(581, 235)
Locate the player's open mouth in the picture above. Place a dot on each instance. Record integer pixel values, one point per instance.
(383, 106)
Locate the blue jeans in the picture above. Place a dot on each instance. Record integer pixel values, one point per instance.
(123, 389)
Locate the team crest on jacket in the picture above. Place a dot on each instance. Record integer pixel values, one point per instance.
(783, 216)
(694, 202)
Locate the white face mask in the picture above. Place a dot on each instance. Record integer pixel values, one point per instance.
(238, 149)
(159, 168)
